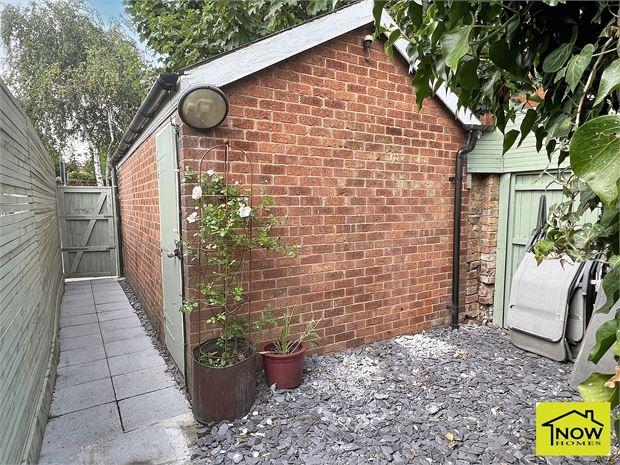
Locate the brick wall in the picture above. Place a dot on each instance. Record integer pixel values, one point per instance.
(364, 180)
(481, 246)
(139, 211)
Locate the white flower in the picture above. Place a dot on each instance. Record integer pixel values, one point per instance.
(244, 211)
(196, 192)
(210, 172)
(192, 218)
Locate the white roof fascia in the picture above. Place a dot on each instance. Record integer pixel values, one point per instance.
(274, 49)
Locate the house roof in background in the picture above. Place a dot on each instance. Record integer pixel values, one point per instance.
(254, 57)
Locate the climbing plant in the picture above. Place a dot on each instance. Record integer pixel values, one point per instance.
(559, 64)
(229, 228)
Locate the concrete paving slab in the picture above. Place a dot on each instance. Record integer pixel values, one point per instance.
(120, 323)
(81, 342)
(106, 287)
(128, 346)
(112, 296)
(135, 361)
(77, 283)
(141, 382)
(116, 314)
(81, 299)
(166, 443)
(74, 320)
(152, 407)
(120, 334)
(80, 330)
(78, 290)
(77, 356)
(160, 444)
(113, 307)
(82, 396)
(82, 373)
(68, 432)
(76, 309)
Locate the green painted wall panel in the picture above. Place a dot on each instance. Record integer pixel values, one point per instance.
(487, 155)
(169, 235)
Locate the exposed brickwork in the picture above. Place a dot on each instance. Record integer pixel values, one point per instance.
(481, 247)
(364, 180)
(139, 207)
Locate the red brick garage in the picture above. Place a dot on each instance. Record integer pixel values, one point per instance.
(365, 180)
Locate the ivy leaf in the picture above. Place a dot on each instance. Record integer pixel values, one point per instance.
(509, 139)
(455, 44)
(500, 119)
(526, 124)
(593, 389)
(556, 59)
(595, 155)
(610, 284)
(457, 11)
(577, 65)
(610, 81)
(421, 85)
(605, 338)
(468, 75)
(377, 10)
(393, 37)
(414, 13)
(504, 57)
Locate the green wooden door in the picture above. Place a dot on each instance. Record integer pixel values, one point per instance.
(88, 231)
(519, 199)
(169, 236)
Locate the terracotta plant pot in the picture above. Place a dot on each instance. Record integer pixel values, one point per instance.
(222, 393)
(285, 371)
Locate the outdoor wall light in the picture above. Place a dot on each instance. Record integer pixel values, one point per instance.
(203, 107)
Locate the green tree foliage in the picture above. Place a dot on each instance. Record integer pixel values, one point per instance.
(78, 79)
(184, 32)
(564, 57)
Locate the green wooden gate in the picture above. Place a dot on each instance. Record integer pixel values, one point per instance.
(519, 196)
(88, 231)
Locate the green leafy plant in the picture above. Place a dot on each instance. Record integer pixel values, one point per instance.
(229, 228)
(558, 64)
(283, 344)
(184, 32)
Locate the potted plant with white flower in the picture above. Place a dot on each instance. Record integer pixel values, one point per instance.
(229, 227)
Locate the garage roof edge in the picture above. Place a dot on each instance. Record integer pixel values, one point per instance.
(273, 49)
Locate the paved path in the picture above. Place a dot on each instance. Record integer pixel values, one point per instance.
(113, 401)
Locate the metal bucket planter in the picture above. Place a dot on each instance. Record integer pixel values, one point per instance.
(222, 393)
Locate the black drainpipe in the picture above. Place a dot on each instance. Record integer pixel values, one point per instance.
(461, 155)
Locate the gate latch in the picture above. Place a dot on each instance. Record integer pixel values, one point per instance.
(176, 252)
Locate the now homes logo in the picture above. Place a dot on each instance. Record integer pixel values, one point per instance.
(573, 428)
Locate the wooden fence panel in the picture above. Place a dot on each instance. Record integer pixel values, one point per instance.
(31, 284)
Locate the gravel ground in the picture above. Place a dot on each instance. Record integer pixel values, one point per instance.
(444, 397)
